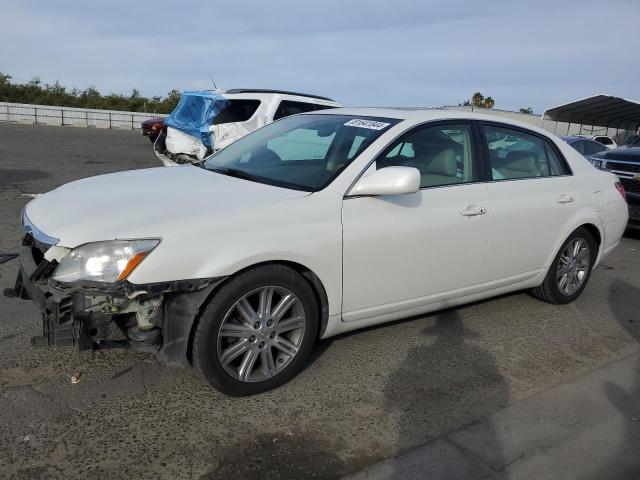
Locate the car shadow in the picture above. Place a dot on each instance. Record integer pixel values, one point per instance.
(448, 373)
(633, 232)
(624, 299)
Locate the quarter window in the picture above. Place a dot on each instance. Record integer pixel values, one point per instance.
(603, 140)
(288, 107)
(443, 154)
(514, 154)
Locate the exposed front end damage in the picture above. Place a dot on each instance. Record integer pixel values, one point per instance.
(89, 315)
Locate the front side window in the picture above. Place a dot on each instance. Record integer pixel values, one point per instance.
(304, 152)
(287, 107)
(443, 154)
(520, 155)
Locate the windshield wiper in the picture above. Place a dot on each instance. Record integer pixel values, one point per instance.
(235, 172)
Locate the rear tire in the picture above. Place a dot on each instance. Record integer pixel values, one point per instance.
(257, 331)
(570, 270)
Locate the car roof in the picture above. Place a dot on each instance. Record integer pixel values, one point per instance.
(422, 114)
(283, 92)
(268, 96)
(574, 138)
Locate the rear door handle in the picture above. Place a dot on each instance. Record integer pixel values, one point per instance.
(565, 198)
(473, 210)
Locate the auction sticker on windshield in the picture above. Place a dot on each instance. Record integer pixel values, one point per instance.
(370, 124)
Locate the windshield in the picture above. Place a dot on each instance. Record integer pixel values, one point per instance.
(302, 152)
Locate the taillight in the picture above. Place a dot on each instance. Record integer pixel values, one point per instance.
(620, 189)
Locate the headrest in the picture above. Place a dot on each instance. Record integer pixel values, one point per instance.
(522, 161)
(444, 163)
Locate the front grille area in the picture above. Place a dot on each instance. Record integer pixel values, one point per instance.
(630, 185)
(45, 268)
(623, 167)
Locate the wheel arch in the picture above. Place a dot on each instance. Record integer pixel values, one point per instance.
(316, 284)
(591, 225)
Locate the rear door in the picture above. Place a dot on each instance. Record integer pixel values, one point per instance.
(532, 196)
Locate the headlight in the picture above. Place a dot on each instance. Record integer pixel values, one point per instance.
(597, 163)
(109, 261)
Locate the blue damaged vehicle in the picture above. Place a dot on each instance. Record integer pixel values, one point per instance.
(206, 121)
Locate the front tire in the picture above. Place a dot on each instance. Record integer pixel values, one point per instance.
(570, 270)
(257, 331)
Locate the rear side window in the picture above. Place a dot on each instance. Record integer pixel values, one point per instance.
(288, 107)
(319, 106)
(579, 145)
(237, 111)
(592, 147)
(515, 154)
(603, 140)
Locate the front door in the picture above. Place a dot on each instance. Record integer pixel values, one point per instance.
(401, 251)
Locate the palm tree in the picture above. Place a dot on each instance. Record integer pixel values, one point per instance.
(489, 102)
(477, 99)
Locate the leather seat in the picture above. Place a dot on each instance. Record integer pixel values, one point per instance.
(519, 164)
(442, 169)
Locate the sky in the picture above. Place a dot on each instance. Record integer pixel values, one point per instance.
(537, 53)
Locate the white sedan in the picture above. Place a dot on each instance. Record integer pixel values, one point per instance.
(312, 226)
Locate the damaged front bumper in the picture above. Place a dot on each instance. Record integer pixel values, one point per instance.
(155, 317)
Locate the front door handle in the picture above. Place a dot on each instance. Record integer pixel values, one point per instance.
(473, 210)
(565, 198)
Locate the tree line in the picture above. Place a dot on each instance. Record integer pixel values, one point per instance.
(37, 92)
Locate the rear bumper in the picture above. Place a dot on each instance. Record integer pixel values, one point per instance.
(633, 200)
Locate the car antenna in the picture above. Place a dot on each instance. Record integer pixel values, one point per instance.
(215, 87)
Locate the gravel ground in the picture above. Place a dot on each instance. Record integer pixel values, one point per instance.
(365, 396)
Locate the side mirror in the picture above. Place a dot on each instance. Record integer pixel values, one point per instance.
(388, 181)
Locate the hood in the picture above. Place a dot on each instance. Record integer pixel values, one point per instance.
(145, 203)
(627, 153)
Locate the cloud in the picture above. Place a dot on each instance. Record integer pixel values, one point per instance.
(404, 52)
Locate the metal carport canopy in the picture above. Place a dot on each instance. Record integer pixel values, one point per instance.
(599, 111)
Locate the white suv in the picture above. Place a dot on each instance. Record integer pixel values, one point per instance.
(606, 141)
(247, 110)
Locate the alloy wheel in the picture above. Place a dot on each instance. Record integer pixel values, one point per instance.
(573, 266)
(261, 333)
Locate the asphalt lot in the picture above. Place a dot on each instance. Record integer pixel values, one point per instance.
(366, 396)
